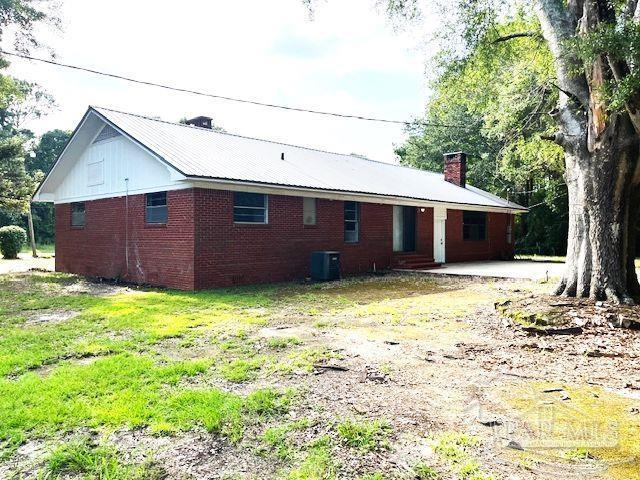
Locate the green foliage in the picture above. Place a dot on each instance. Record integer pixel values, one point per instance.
(25, 15)
(15, 184)
(496, 97)
(367, 435)
(12, 238)
(617, 41)
(49, 147)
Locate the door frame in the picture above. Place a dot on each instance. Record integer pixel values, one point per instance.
(439, 234)
(400, 228)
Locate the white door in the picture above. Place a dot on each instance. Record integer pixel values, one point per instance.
(439, 234)
(398, 227)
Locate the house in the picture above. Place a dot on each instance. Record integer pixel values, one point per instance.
(187, 207)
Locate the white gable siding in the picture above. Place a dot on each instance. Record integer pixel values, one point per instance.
(103, 167)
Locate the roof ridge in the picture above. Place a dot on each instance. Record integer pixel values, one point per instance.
(266, 140)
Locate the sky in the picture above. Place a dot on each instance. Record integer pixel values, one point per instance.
(347, 58)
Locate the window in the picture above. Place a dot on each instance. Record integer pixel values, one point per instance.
(309, 210)
(77, 214)
(351, 222)
(249, 207)
(474, 226)
(156, 208)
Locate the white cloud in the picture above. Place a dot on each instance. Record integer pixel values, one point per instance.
(348, 59)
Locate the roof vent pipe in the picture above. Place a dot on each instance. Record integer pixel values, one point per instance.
(201, 121)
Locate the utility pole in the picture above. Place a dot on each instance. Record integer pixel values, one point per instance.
(32, 235)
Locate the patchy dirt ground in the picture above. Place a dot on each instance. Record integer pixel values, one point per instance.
(26, 262)
(391, 377)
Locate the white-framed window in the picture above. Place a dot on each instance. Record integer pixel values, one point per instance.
(156, 210)
(351, 222)
(250, 207)
(309, 210)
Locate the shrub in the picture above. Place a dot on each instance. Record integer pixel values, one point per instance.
(12, 238)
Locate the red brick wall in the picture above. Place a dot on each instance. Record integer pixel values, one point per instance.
(228, 253)
(159, 255)
(424, 231)
(455, 168)
(201, 247)
(495, 247)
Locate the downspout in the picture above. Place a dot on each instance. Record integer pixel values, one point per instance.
(126, 227)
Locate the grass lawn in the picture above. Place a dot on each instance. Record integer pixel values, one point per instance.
(287, 381)
(48, 248)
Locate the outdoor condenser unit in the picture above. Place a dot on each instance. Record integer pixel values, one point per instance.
(325, 265)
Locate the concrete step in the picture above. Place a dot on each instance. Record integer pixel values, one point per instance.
(413, 261)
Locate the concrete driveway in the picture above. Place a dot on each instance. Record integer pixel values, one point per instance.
(26, 262)
(523, 269)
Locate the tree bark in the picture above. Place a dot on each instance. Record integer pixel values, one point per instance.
(603, 210)
(601, 160)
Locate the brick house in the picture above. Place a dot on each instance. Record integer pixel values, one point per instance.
(184, 206)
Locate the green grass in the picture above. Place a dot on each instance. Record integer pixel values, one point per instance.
(366, 435)
(152, 359)
(318, 463)
(425, 472)
(124, 379)
(276, 439)
(47, 248)
(80, 457)
(126, 390)
(456, 450)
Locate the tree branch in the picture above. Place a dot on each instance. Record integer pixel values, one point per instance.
(506, 38)
(559, 26)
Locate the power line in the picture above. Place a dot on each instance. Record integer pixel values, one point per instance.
(230, 99)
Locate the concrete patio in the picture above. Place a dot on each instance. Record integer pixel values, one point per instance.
(522, 269)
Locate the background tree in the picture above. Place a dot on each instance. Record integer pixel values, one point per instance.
(19, 100)
(595, 46)
(495, 100)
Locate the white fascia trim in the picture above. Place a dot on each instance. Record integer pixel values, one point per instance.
(37, 197)
(219, 184)
(122, 193)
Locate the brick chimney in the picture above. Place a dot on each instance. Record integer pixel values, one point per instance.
(201, 121)
(455, 168)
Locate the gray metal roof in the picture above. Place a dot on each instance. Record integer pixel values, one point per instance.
(204, 153)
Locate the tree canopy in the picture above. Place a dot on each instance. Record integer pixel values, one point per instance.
(493, 102)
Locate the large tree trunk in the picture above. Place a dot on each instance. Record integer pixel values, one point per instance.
(601, 156)
(603, 203)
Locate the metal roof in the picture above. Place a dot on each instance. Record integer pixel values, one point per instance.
(203, 153)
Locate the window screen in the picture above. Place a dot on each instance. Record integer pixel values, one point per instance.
(309, 210)
(249, 207)
(474, 225)
(77, 214)
(351, 222)
(156, 208)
